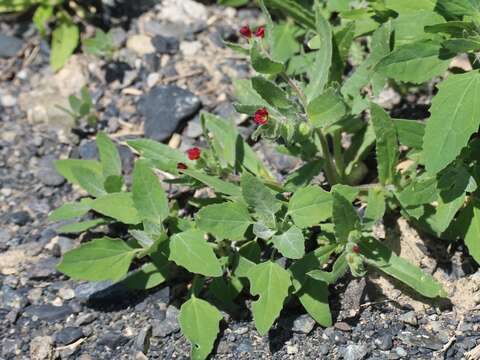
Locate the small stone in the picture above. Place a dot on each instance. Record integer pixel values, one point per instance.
(112, 340)
(245, 347)
(190, 48)
(292, 349)
(63, 245)
(68, 335)
(119, 36)
(355, 352)
(168, 325)
(241, 330)
(10, 348)
(66, 293)
(166, 108)
(8, 101)
(20, 218)
(140, 356)
(194, 128)
(152, 79)
(11, 299)
(324, 349)
(401, 351)
(385, 342)
(303, 324)
(85, 319)
(409, 318)
(49, 313)
(141, 44)
(165, 44)
(41, 348)
(142, 342)
(343, 326)
(9, 46)
(47, 173)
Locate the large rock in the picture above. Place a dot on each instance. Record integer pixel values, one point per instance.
(166, 108)
(9, 46)
(49, 313)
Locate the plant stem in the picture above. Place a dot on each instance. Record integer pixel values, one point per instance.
(338, 154)
(330, 171)
(301, 95)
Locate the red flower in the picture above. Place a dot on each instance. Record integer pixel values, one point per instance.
(182, 166)
(261, 116)
(356, 249)
(260, 33)
(246, 32)
(194, 153)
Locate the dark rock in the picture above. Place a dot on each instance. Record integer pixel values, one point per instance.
(112, 340)
(85, 319)
(68, 335)
(168, 325)
(165, 44)
(166, 108)
(324, 349)
(10, 347)
(409, 318)
(47, 174)
(115, 70)
(12, 299)
(20, 218)
(142, 342)
(49, 312)
(88, 150)
(245, 347)
(100, 292)
(43, 269)
(303, 324)
(9, 46)
(385, 342)
(355, 352)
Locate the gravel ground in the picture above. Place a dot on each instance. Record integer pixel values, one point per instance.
(171, 56)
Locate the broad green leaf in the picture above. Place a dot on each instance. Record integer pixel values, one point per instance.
(233, 2)
(271, 282)
(402, 6)
(80, 227)
(457, 29)
(348, 192)
(342, 42)
(294, 9)
(385, 260)
(410, 132)
(340, 267)
(409, 27)
(89, 180)
(309, 206)
(109, 156)
(387, 144)
(148, 195)
(455, 116)
(64, 167)
(415, 62)
(459, 7)
(228, 220)
(264, 65)
(215, 183)
(199, 322)
(419, 191)
(291, 243)
(284, 43)
(304, 175)
(100, 45)
(345, 217)
(271, 93)
(259, 197)
(41, 16)
(472, 236)
(98, 260)
(323, 61)
(113, 184)
(462, 45)
(375, 205)
(148, 276)
(326, 109)
(245, 93)
(262, 231)
(248, 255)
(119, 206)
(190, 250)
(65, 39)
(223, 292)
(70, 210)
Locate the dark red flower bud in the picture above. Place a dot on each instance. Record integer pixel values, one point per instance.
(261, 116)
(182, 166)
(246, 32)
(356, 249)
(260, 33)
(194, 153)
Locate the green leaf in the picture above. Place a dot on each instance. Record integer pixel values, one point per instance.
(65, 39)
(248, 255)
(70, 210)
(455, 116)
(190, 250)
(80, 227)
(199, 322)
(401, 6)
(109, 156)
(64, 168)
(459, 7)
(409, 27)
(291, 243)
(304, 175)
(100, 45)
(245, 93)
(387, 144)
(294, 9)
(228, 220)
(262, 64)
(215, 183)
(323, 61)
(385, 260)
(271, 93)
(148, 195)
(309, 206)
(410, 132)
(119, 206)
(259, 197)
(284, 43)
(376, 205)
(419, 191)
(98, 260)
(148, 276)
(89, 180)
(415, 62)
(345, 217)
(41, 16)
(113, 184)
(339, 269)
(326, 109)
(472, 235)
(462, 45)
(271, 282)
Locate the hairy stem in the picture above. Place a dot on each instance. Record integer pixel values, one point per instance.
(330, 171)
(338, 153)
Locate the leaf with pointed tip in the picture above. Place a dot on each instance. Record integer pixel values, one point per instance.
(345, 217)
(199, 322)
(215, 183)
(291, 243)
(259, 197)
(309, 206)
(65, 167)
(263, 64)
(326, 109)
(271, 93)
(119, 206)
(271, 282)
(190, 250)
(70, 210)
(80, 227)
(109, 156)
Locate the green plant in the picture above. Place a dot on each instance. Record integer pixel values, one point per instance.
(292, 239)
(82, 108)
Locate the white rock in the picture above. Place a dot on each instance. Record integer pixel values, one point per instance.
(8, 100)
(41, 348)
(73, 76)
(190, 48)
(184, 11)
(153, 79)
(141, 44)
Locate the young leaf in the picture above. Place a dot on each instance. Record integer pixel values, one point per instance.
(98, 260)
(339, 269)
(271, 93)
(40, 18)
(259, 197)
(70, 210)
(376, 205)
(263, 64)
(80, 227)
(148, 195)
(388, 262)
(410, 132)
(304, 175)
(227, 220)
(89, 180)
(284, 43)
(190, 250)
(345, 217)
(415, 62)
(199, 322)
(65, 39)
(323, 61)
(271, 282)
(409, 26)
(119, 206)
(455, 116)
(248, 255)
(309, 206)
(326, 109)
(64, 167)
(291, 243)
(215, 183)
(109, 156)
(387, 144)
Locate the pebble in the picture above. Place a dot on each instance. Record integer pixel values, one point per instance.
(385, 342)
(68, 335)
(401, 351)
(168, 325)
(20, 218)
(49, 313)
(165, 44)
(41, 348)
(355, 352)
(292, 349)
(142, 341)
(303, 324)
(112, 340)
(409, 318)
(85, 319)
(141, 44)
(9, 46)
(190, 48)
(47, 173)
(8, 101)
